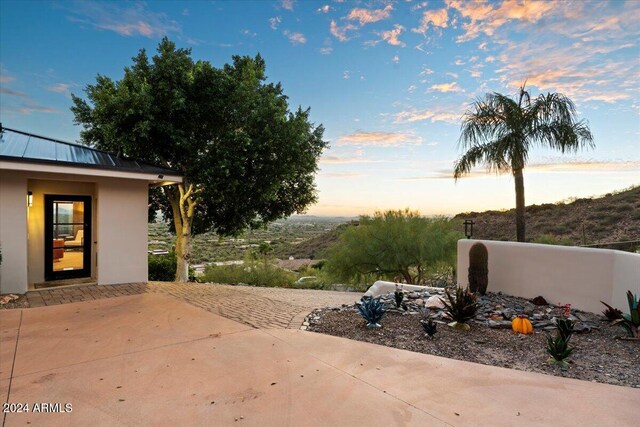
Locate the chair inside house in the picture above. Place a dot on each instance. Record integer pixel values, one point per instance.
(77, 241)
(58, 250)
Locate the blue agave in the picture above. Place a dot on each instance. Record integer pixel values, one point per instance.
(631, 322)
(372, 310)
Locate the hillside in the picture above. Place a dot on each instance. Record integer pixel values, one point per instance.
(610, 218)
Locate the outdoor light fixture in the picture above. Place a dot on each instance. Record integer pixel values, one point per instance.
(468, 228)
(29, 199)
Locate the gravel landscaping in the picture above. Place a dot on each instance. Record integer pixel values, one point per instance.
(599, 355)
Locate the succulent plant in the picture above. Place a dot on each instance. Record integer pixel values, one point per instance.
(631, 322)
(565, 328)
(399, 296)
(558, 347)
(372, 310)
(611, 313)
(460, 308)
(559, 350)
(429, 327)
(478, 268)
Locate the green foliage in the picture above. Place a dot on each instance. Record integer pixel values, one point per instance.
(499, 132)
(389, 244)
(558, 347)
(565, 328)
(631, 321)
(429, 327)
(461, 307)
(478, 268)
(245, 158)
(548, 239)
(559, 350)
(372, 310)
(162, 267)
(251, 273)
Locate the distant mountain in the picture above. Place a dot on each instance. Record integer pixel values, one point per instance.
(614, 217)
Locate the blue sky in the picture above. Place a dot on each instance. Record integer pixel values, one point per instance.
(389, 80)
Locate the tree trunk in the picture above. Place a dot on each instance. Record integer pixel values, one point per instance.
(520, 220)
(183, 207)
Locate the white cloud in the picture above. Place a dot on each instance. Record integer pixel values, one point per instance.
(396, 59)
(368, 16)
(326, 50)
(380, 139)
(447, 87)
(59, 88)
(434, 19)
(274, 22)
(295, 38)
(324, 9)
(287, 4)
(341, 32)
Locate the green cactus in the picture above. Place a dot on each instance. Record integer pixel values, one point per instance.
(478, 268)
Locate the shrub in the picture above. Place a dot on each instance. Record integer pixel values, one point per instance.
(162, 268)
(558, 347)
(251, 273)
(548, 239)
(389, 244)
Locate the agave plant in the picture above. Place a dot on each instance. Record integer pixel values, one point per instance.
(611, 313)
(372, 310)
(460, 308)
(429, 328)
(559, 350)
(565, 328)
(631, 322)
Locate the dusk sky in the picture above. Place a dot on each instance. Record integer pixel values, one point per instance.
(389, 80)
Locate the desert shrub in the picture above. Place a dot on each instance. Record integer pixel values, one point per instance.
(389, 244)
(251, 273)
(162, 268)
(548, 239)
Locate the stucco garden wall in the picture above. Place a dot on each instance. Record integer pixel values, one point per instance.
(578, 276)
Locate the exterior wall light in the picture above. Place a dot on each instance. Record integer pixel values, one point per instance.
(468, 228)
(29, 199)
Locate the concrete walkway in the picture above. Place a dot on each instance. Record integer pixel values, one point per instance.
(152, 360)
(253, 306)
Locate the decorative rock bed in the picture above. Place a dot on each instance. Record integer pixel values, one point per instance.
(598, 356)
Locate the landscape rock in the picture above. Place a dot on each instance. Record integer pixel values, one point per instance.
(434, 302)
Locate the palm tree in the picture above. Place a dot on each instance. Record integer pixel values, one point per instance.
(498, 132)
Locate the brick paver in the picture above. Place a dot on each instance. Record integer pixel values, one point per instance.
(257, 307)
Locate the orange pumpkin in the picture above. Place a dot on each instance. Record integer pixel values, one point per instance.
(522, 325)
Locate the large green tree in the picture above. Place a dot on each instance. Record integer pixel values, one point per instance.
(499, 132)
(393, 243)
(246, 159)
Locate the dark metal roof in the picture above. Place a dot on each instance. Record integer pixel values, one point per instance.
(21, 146)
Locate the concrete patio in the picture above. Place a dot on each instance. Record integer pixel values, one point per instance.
(152, 359)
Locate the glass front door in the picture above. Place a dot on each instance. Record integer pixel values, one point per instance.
(67, 237)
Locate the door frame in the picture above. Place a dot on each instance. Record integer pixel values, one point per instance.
(49, 274)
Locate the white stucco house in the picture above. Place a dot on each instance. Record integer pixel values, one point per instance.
(71, 213)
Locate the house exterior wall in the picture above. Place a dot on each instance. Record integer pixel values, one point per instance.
(581, 277)
(13, 232)
(40, 187)
(119, 250)
(122, 231)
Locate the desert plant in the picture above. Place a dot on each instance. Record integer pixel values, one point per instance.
(429, 327)
(460, 308)
(162, 267)
(565, 328)
(559, 350)
(522, 325)
(398, 295)
(372, 310)
(478, 268)
(611, 313)
(631, 322)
